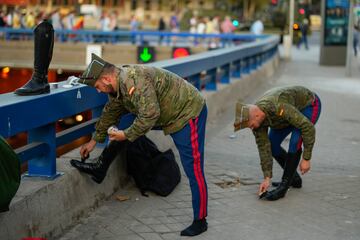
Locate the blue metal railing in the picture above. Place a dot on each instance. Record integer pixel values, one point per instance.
(136, 37)
(37, 115)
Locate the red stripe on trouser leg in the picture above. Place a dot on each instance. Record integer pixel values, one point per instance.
(298, 147)
(195, 166)
(315, 110)
(314, 114)
(202, 179)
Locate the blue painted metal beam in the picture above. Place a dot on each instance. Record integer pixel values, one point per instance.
(190, 65)
(19, 113)
(31, 150)
(75, 132)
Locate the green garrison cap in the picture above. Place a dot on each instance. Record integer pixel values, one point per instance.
(241, 116)
(93, 71)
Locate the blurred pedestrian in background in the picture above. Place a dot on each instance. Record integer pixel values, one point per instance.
(257, 27)
(161, 28)
(304, 27)
(356, 37)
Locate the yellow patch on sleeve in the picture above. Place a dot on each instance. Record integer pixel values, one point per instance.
(132, 89)
(281, 112)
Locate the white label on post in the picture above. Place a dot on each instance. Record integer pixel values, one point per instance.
(97, 49)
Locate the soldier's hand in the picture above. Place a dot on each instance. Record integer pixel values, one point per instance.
(117, 135)
(264, 186)
(304, 166)
(87, 148)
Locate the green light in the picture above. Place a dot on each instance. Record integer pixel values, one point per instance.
(145, 56)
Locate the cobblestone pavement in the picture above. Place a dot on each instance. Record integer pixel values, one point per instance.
(326, 208)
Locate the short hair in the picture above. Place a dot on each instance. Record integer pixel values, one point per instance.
(107, 70)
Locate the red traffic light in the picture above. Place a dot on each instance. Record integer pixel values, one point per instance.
(180, 52)
(302, 11)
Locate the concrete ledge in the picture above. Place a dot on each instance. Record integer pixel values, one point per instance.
(44, 208)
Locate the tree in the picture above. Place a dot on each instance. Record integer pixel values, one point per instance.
(251, 6)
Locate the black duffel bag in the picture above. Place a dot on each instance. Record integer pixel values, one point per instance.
(152, 169)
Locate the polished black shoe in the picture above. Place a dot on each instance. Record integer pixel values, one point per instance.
(196, 228)
(286, 180)
(278, 192)
(96, 171)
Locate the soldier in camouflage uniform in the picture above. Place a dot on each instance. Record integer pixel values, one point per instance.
(145, 98)
(284, 110)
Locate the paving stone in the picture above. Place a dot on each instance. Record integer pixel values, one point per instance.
(140, 229)
(150, 236)
(160, 228)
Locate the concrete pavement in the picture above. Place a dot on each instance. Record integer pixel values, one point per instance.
(327, 207)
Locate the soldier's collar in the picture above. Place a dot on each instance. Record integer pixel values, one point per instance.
(121, 75)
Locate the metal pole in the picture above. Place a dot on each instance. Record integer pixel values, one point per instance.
(350, 39)
(291, 17)
(291, 23)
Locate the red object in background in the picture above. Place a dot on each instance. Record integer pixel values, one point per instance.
(302, 11)
(33, 238)
(180, 52)
(15, 2)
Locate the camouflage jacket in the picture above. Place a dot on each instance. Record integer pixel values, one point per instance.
(156, 96)
(282, 107)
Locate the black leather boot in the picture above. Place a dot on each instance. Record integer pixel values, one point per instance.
(289, 171)
(43, 48)
(98, 169)
(282, 158)
(196, 228)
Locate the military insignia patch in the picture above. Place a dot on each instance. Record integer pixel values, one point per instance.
(131, 91)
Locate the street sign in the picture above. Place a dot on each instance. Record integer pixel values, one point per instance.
(145, 54)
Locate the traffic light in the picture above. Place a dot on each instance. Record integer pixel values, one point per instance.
(301, 11)
(179, 52)
(296, 26)
(145, 54)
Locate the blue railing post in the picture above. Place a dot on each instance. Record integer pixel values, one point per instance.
(263, 56)
(225, 77)
(237, 72)
(244, 66)
(252, 63)
(247, 63)
(141, 39)
(259, 60)
(44, 165)
(168, 40)
(211, 84)
(256, 62)
(195, 80)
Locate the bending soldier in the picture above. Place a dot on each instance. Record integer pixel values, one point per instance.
(284, 110)
(153, 98)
